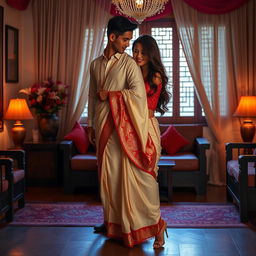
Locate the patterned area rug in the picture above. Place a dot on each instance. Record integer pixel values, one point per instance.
(83, 214)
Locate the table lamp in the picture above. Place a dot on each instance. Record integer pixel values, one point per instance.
(18, 110)
(247, 108)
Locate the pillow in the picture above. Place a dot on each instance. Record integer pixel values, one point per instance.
(79, 137)
(172, 140)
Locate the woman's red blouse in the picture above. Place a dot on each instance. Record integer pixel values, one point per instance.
(152, 99)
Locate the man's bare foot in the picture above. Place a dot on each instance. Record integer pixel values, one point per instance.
(100, 229)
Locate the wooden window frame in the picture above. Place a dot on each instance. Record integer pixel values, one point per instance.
(145, 28)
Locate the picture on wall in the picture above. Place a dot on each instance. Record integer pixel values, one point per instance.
(11, 54)
(1, 66)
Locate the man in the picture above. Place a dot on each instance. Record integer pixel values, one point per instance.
(118, 126)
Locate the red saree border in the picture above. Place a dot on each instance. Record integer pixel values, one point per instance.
(129, 139)
(135, 236)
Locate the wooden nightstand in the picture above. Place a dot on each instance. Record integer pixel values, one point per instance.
(42, 163)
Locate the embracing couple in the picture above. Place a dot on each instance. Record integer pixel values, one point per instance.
(124, 94)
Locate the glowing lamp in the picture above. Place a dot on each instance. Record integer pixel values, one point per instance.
(18, 110)
(247, 108)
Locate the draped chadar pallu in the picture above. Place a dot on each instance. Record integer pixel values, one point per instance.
(128, 150)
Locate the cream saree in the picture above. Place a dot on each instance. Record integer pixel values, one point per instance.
(128, 149)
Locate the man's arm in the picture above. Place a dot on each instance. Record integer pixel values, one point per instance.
(135, 80)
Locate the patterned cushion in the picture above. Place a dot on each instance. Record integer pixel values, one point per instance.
(233, 170)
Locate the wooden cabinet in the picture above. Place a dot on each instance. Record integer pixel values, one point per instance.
(42, 163)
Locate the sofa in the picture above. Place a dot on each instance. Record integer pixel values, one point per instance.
(6, 188)
(240, 177)
(80, 169)
(12, 181)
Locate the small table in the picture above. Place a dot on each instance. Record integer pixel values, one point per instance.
(166, 165)
(42, 163)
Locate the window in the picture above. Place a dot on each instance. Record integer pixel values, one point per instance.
(184, 106)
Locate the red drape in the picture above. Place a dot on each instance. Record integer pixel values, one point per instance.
(205, 6)
(215, 6)
(18, 4)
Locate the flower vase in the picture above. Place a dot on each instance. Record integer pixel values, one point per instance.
(48, 126)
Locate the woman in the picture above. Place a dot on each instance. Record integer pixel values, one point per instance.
(147, 55)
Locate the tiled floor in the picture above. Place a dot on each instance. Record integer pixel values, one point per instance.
(76, 241)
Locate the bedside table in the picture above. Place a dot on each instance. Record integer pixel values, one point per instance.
(42, 163)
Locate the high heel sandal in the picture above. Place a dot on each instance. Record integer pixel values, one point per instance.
(159, 241)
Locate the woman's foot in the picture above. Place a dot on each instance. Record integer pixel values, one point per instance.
(159, 239)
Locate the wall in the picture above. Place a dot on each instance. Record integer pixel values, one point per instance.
(23, 21)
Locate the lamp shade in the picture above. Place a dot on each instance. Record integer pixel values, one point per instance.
(18, 110)
(246, 107)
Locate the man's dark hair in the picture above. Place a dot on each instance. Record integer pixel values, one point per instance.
(119, 25)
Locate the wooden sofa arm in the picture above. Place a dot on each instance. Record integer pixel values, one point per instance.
(8, 199)
(202, 144)
(17, 154)
(68, 150)
(8, 163)
(238, 146)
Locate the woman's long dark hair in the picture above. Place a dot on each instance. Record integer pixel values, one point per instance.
(150, 49)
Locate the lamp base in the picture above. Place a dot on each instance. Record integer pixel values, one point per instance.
(247, 130)
(18, 134)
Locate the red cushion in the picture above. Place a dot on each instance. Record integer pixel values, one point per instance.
(172, 140)
(79, 137)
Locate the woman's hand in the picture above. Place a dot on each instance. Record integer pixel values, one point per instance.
(157, 79)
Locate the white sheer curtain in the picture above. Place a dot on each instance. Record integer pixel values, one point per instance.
(68, 36)
(214, 47)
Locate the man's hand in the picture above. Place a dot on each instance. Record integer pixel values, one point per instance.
(91, 135)
(102, 95)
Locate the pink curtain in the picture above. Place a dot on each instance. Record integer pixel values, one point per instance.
(18, 4)
(215, 6)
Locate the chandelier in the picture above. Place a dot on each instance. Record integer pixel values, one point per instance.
(139, 9)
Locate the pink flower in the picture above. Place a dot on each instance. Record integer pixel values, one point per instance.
(46, 107)
(33, 102)
(33, 89)
(46, 97)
